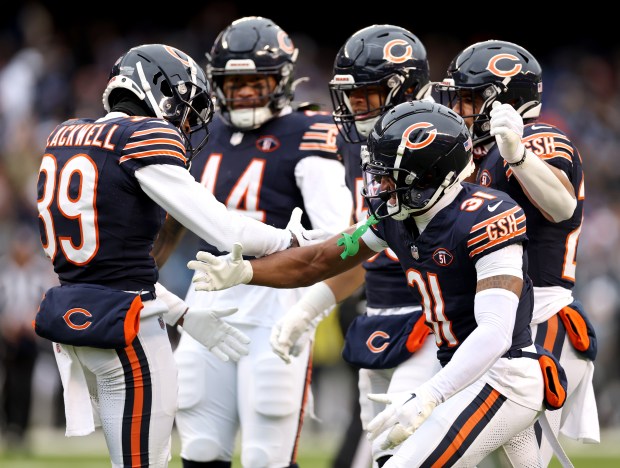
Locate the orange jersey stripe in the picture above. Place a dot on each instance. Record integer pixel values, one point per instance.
(486, 222)
(155, 141)
(497, 241)
(138, 406)
(319, 147)
(302, 412)
(552, 333)
(467, 428)
(147, 154)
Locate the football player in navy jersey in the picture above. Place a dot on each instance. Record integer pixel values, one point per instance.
(461, 247)
(497, 87)
(263, 159)
(377, 68)
(104, 188)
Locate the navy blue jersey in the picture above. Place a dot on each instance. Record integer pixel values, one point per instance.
(96, 224)
(440, 263)
(552, 249)
(386, 286)
(254, 171)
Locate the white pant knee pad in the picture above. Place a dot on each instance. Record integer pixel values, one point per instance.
(254, 457)
(202, 450)
(276, 388)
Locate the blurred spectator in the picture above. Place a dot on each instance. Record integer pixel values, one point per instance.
(24, 277)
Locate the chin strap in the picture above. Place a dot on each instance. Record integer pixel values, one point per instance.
(351, 241)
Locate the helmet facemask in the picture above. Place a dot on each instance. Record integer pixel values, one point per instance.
(415, 193)
(474, 104)
(417, 153)
(249, 112)
(355, 126)
(187, 107)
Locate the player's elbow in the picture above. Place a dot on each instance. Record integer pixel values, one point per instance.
(564, 210)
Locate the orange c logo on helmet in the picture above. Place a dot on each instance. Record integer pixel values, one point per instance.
(75, 326)
(285, 42)
(430, 137)
(389, 55)
(377, 334)
(176, 55)
(493, 68)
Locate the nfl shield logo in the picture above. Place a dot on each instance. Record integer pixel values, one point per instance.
(414, 252)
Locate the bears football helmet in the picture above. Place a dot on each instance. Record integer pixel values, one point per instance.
(170, 84)
(384, 56)
(252, 46)
(492, 71)
(424, 149)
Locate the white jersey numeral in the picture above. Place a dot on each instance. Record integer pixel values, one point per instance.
(245, 195)
(77, 204)
(433, 306)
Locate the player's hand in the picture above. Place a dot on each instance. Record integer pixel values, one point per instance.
(292, 333)
(404, 414)
(301, 235)
(215, 273)
(507, 127)
(222, 339)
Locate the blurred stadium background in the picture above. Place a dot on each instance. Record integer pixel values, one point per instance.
(54, 62)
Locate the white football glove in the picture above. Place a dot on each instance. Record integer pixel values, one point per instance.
(405, 412)
(507, 127)
(304, 236)
(291, 333)
(223, 272)
(222, 339)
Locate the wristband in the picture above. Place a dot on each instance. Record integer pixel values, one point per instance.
(317, 299)
(520, 161)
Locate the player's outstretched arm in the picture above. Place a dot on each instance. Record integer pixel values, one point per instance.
(291, 268)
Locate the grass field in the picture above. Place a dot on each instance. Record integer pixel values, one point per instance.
(50, 449)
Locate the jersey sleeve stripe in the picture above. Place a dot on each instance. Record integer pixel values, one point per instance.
(155, 141)
(556, 154)
(322, 126)
(503, 214)
(497, 241)
(475, 240)
(555, 136)
(153, 153)
(318, 147)
(158, 129)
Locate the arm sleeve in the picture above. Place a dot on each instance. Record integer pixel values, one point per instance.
(327, 199)
(544, 187)
(495, 311)
(191, 204)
